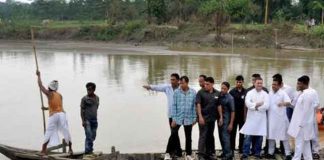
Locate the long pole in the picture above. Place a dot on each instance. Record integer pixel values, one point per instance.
(266, 12)
(40, 92)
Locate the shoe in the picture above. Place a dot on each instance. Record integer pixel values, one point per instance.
(220, 156)
(188, 157)
(270, 156)
(316, 156)
(259, 157)
(167, 156)
(288, 157)
(244, 157)
(211, 156)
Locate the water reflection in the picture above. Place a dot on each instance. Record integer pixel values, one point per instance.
(129, 117)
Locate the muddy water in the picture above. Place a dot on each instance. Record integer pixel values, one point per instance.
(130, 118)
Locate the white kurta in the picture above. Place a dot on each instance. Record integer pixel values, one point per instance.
(256, 120)
(303, 116)
(277, 116)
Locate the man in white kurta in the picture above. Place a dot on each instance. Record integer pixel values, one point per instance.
(277, 118)
(302, 122)
(315, 146)
(255, 127)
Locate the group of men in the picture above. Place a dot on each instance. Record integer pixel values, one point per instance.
(280, 115)
(58, 121)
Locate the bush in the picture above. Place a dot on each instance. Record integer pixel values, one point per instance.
(317, 31)
(133, 26)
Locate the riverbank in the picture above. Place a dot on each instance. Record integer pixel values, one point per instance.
(177, 36)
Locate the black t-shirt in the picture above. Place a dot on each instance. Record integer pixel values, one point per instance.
(239, 97)
(209, 103)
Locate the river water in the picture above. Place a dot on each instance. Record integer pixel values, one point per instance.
(130, 118)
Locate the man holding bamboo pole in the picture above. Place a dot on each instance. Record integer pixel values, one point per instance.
(57, 119)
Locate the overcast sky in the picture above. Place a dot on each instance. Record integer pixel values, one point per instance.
(26, 1)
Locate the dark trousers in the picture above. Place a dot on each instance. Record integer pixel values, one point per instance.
(174, 146)
(238, 122)
(206, 143)
(225, 139)
(171, 147)
(90, 130)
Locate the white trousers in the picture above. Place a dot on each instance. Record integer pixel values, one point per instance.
(315, 141)
(302, 147)
(57, 122)
(272, 147)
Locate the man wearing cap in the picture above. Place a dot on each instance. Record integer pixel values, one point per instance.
(57, 118)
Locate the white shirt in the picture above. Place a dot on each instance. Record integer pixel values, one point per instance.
(277, 116)
(291, 92)
(169, 91)
(256, 120)
(303, 116)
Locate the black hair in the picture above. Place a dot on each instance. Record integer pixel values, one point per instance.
(176, 75)
(277, 76)
(304, 79)
(258, 78)
(92, 85)
(210, 80)
(203, 76)
(277, 79)
(239, 78)
(226, 84)
(256, 75)
(185, 78)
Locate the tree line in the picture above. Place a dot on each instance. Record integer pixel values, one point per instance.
(165, 11)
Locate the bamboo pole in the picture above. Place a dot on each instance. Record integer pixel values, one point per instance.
(37, 67)
(266, 12)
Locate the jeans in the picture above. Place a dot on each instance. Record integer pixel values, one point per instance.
(90, 129)
(247, 144)
(206, 143)
(174, 134)
(225, 139)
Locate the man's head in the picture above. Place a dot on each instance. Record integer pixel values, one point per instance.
(254, 76)
(302, 83)
(239, 81)
(258, 83)
(53, 86)
(174, 79)
(201, 80)
(225, 87)
(184, 81)
(91, 88)
(278, 77)
(276, 84)
(209, 84)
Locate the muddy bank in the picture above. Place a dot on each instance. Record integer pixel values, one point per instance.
(179, 36)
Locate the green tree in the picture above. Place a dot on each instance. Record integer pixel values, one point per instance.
(318, 5)
(217, 10)
(156, 9)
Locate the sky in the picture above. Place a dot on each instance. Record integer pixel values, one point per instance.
(25, 1)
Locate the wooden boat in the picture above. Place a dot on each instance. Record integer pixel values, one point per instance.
(25, 154)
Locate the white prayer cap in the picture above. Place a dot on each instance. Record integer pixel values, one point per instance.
(53, 85)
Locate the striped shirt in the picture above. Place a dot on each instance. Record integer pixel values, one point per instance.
(184, 110)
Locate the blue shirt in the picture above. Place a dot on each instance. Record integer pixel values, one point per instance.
(168, 90)
(184, 110)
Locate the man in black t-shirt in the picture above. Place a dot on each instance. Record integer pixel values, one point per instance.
(207, 109)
